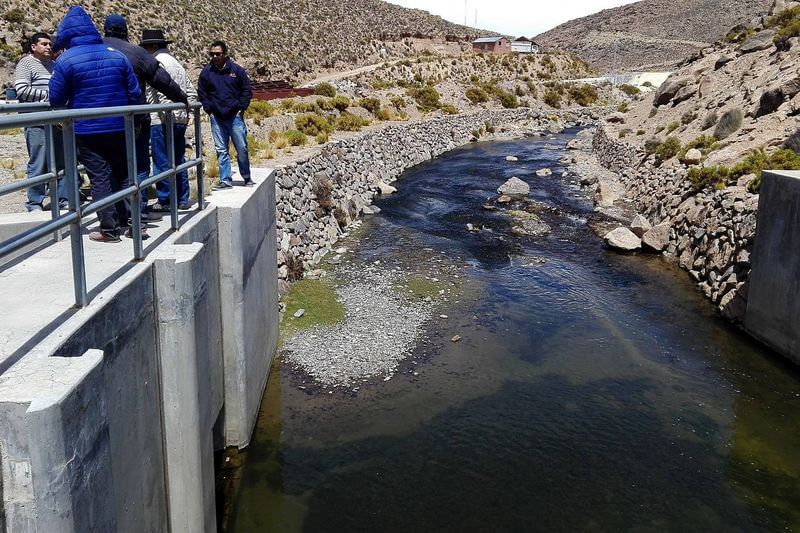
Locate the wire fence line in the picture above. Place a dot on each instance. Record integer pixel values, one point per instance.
(23, 115)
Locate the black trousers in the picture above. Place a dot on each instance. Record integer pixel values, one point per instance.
(104, 157)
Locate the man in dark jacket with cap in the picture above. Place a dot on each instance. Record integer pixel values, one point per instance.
(149, 72)
(224, 90)
(90, 74)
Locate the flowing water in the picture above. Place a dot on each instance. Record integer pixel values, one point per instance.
(590, 391)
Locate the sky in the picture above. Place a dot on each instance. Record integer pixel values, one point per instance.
(513, 17)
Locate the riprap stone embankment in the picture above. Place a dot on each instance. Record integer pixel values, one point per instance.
(711, 232)
(317, 197)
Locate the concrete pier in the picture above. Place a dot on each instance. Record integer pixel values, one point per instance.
(109, 415)
(773, 295)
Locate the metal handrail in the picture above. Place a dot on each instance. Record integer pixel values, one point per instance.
(36, 114)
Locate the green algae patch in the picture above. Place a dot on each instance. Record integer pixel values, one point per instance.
(521, 215)
(318, 298)
(419, 287)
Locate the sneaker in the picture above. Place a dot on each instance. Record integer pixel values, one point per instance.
(185, 206)
(151, 217)
(159, 208)
(33, 208)
(63, 205)
(104, 236)
(129, 234)
(249, 183)
(223, 185)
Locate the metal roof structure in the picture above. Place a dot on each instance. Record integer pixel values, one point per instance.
(487, 40)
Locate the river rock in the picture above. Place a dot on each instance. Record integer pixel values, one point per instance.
(385, 189)
(299, 313)
(657, 238)
(514, 187)
(511, 158)
(622, 239)
(640, 225)
(574, 144)
(503, 199)
(761, 41)
(530, 226)
(542, 172)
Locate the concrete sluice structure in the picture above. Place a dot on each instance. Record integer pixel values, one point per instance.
(110, 414)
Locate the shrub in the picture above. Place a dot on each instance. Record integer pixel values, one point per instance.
(287, 104)
(507, 100)
(624, 132)
(340, 102)
(786, 24)
(350, 122)
(322, 137)
(584, 95)
(398, 102)
(15, 15)
(427, 98)
(640, 132)
(653, 112)
(710, 120)
(449, 109)
(384, 113)
(628, 89)
(672, 126)
(739, 34)
(312, 124)
(325, 89)
(702, 143)
(306, 107)
(688, 117)
(322, 189)
(647, 84)
(370, 104)
(324, 104)
(296, 138)
(552, 98)
(701, 177)
(260, 109)
(730, 122)
(623, 107)
(667, 149)
(476, 95)
(756, 162)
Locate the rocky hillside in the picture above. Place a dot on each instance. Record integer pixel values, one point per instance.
(275, 38)
(652, 34)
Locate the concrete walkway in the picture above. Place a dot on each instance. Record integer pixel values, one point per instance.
(37, 291)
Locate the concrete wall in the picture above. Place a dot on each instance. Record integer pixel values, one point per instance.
(107, 424)
(773, 301)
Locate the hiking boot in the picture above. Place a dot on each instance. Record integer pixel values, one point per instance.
(129, 234)
(223, 185)
(104, 236)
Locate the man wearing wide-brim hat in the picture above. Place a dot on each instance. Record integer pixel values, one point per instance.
(153, 41)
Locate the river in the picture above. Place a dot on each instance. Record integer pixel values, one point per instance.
(589, 391)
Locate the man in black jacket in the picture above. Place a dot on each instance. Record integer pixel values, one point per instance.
(149, 72)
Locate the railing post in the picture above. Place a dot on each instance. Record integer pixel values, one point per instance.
(198, 154)
(136, 203)
(55, 206)
(76, 238)
(169, 141)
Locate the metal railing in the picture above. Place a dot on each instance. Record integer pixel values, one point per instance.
(36, 114)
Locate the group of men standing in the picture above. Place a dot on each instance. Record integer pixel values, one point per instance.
(95, 71)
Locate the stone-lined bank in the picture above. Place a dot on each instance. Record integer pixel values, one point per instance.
(711, 232)
(317, 197)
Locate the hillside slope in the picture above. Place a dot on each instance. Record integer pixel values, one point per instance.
(651, 34)
(275, 38)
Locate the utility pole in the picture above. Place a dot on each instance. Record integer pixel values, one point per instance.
(465, 12)
(476, 17)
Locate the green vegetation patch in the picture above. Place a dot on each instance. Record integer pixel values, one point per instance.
(754, 163)
(318, 298)
(325, 89)
(786, 24)
(419, 287)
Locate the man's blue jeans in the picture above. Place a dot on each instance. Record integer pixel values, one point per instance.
(38, 165)
(161, 163)
(223, 130)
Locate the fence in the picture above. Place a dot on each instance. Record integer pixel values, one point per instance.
(34, 114)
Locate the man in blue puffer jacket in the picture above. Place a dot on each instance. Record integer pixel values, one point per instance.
(91, 74)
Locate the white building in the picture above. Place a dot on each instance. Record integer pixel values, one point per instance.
(523, 45)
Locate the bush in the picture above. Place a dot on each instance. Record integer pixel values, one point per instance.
(325, 89)
(584, 95)
(287, 104)
(322, 189)
(756, 162)
(672, 126)
(278, 140)
(15, 15)
(623, 107)
(552, 98)
(507, 100)
(312, 124)
(628, 89)
(739, 34)
(786, 24)
(384, 113)
(688, 117)
(702, 177)
(702, 143)
(398, 102)
(476, 95)
(667, 149)
(306, 107)
(710, 120)
(260, 109)
(340, 102)
(296, 138)
(324, 104)
(730, 122)
(350, 122)
(449, 109)
(427, 98)
(322, 137)
(370, 104)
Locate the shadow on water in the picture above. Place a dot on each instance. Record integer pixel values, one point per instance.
(590, 391)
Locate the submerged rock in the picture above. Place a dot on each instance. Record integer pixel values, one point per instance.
(511, 158)
(514, 187)
(542, 172)
(622, 239)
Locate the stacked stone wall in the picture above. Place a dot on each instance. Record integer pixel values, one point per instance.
(317, 197)
(711, 231)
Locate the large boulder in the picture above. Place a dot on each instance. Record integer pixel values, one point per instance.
(657, 238)
(684, 93)
(761, 41)
(622, 239)
(770, 101)
(722, 61)
(693, 156)
(616, 118)
(640, 225)
(670, 88)
(790, 88)
(515, 188)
